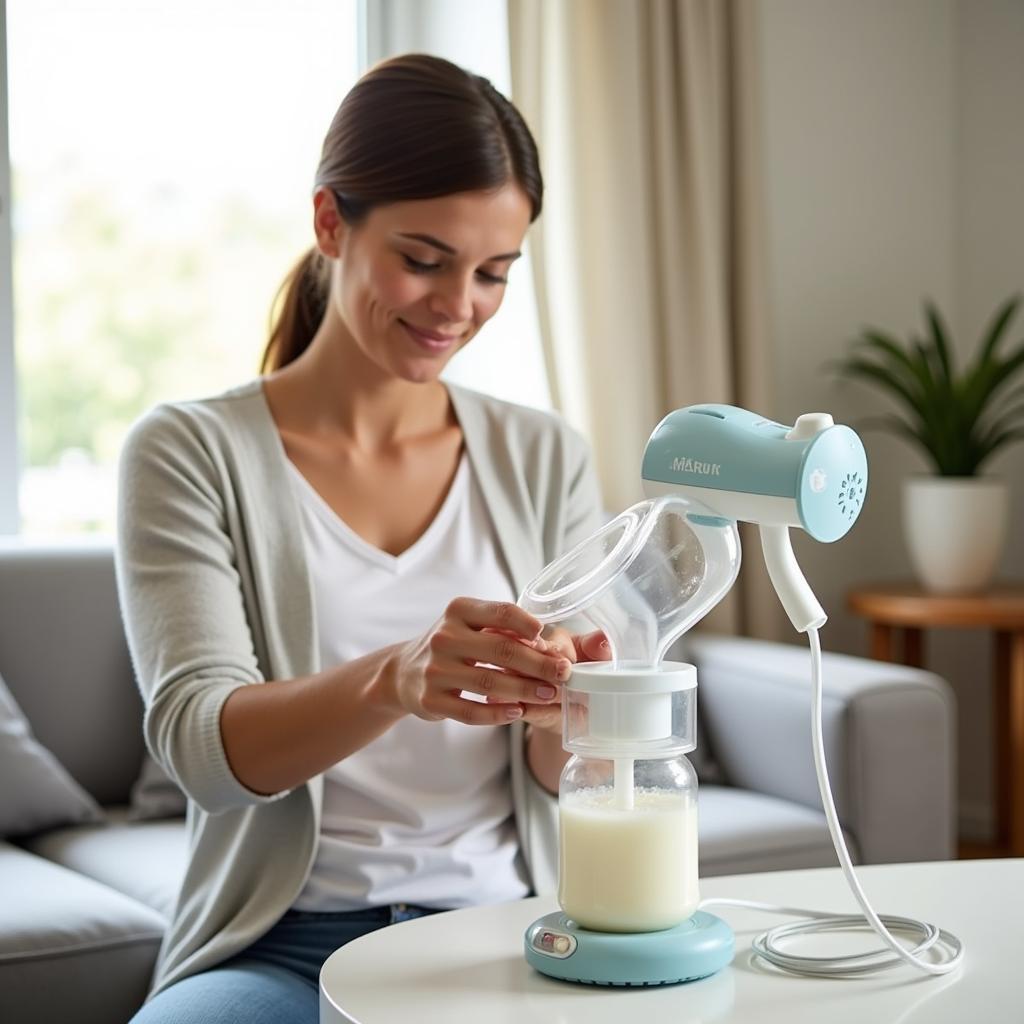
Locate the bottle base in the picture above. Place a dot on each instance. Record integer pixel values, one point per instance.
(557, 946)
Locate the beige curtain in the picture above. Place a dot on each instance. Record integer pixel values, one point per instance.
(648, 254)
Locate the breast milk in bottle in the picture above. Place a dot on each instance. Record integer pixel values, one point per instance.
(628, 868)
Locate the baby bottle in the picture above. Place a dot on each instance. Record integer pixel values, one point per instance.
(627, 800)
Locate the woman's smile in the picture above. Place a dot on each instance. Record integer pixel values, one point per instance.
(435, 342)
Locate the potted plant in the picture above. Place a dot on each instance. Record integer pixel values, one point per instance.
(955, 520)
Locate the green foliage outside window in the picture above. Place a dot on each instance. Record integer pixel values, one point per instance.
(120, 308)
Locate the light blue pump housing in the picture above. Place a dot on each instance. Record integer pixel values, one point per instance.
(818, 467)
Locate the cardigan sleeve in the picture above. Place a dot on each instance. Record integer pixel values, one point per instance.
(182, 604)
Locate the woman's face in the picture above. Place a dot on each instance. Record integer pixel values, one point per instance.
(415, 280)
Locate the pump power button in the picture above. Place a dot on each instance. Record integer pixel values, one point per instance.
(556, 944)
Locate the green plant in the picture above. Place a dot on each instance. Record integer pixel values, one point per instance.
(958, 418)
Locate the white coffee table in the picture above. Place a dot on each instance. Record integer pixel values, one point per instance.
(467, 966)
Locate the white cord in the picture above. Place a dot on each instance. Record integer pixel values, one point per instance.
(766, 944)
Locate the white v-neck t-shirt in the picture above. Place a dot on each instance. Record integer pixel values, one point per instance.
(422, 814)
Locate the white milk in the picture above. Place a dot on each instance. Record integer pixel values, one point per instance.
(627, 870)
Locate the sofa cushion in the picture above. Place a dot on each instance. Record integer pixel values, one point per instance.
(38, 792)
(743, 831)
(144, 860)
(60, 934)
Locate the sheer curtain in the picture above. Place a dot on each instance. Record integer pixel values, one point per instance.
(648, 257)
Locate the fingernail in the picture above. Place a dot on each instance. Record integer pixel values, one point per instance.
(546, 692)
(604, 645)
(514, 712)
(564, 669)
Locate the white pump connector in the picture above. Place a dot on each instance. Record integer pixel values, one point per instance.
(802, 607)
(623, 712)
(631, 710)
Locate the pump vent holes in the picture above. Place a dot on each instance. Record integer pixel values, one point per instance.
(851, 495)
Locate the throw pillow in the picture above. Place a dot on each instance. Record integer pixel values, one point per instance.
(37, 792)
(155, 794)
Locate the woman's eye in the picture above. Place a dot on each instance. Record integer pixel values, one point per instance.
(492, 278)
(418, 265)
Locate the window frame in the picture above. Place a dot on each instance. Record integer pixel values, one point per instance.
(9, 463)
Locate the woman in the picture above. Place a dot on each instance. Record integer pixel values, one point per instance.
(313, 531)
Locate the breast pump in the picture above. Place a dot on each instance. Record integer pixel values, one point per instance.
(628, 886)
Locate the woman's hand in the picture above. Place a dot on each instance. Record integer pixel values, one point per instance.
(489, 648)
(544, 752)
(560, 643)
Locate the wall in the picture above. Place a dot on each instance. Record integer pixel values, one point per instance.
(892, 173)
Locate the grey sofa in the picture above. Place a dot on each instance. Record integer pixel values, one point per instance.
(82, 908)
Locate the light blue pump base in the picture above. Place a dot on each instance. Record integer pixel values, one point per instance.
(557, 946)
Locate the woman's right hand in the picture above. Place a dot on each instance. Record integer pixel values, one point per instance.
(488, 648)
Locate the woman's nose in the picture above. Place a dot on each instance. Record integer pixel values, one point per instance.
(453, 299)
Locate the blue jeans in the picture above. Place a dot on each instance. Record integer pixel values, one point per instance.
(276, 979)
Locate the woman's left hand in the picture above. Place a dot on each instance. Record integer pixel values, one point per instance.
(560, 643)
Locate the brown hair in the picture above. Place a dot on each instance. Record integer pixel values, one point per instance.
(413, 127)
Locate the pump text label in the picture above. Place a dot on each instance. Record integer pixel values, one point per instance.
(685, 465)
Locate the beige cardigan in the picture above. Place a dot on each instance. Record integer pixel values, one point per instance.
(215, 594)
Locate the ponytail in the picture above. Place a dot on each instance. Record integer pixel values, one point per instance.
(297, 311)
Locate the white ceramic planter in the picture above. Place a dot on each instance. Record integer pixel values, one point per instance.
(955, 530)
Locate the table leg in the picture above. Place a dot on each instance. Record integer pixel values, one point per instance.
(1009, 718)
(881, 642)
(913, 647)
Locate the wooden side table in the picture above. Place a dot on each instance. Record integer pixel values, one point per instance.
(898, 614)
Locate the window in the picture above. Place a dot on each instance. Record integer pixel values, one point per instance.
(162, 155)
